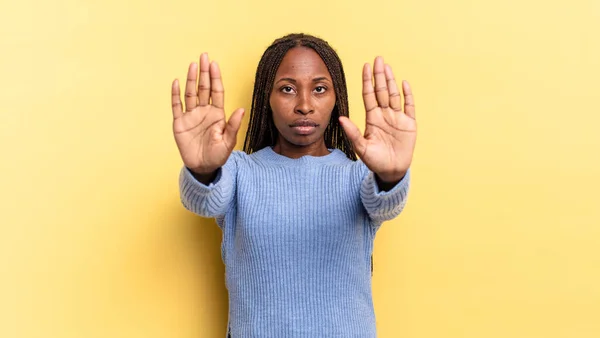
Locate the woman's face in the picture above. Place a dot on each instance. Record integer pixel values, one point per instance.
(302, 98)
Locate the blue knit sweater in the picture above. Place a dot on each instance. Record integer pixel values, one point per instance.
(297, 241)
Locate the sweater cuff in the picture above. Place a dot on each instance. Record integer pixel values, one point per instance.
(384, 205)
(201, 187)
(401, 185)
(206, 200)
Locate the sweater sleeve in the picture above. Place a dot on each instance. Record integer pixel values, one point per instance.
(214, 199)
(383, 205)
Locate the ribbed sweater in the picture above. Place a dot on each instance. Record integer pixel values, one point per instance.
(297, 241)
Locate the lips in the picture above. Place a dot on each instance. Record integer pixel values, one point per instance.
(304, 123)
(304, 127)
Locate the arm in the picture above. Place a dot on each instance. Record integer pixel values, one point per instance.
(382, 205)
(388, 143)
(212, 199)
(205, 140)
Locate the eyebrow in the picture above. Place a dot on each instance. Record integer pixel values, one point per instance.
(317, 79)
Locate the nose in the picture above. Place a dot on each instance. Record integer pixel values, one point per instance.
(304, 106)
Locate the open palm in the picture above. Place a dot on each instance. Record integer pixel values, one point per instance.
(389, 140)
(203, 137)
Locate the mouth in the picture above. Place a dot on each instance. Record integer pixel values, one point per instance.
(304, 127)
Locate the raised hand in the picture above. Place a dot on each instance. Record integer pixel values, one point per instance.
(391, 131)
(204, 139)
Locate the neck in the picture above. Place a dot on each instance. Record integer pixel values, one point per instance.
(282, 147)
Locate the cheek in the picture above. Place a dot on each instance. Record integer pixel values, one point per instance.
(329, 104)
(280, 107)
(277, 111)
(272, 103)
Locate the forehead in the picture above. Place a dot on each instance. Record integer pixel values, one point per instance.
(302, 62)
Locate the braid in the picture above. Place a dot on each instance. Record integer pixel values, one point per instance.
(261, 129)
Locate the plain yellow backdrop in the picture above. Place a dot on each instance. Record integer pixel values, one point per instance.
(501, 235)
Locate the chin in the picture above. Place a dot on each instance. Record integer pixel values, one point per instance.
(300, 141)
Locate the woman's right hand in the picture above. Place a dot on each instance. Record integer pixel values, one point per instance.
(204, 139)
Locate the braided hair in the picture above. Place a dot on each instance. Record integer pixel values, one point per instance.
(261, 129)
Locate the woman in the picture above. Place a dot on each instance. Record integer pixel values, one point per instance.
(298, 212)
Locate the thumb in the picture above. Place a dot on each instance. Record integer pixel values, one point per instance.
(232, 127)
(358, 141)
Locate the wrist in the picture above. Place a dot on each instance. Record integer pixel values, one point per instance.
(202, 176)
(388, 182)
(390, 178)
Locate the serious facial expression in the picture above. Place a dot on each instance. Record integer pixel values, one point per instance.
(302, 98)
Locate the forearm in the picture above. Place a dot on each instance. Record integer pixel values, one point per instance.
(384, 201)
(209, 199)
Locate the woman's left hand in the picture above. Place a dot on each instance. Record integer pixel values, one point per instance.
(391, 131)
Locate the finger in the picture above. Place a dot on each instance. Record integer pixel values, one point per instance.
(368, 92)
(381, 89)
(232, 127)
(176, 100)
(216, 86)
(395, 99)
(358, 141)
(204, 83)
(191, 99)
(409, 100)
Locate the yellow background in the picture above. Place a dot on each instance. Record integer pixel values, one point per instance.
(501, 235)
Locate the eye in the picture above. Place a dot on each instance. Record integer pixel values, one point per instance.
(287, 90)
(320, 89)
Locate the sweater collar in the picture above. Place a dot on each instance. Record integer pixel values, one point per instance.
(335, 156)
